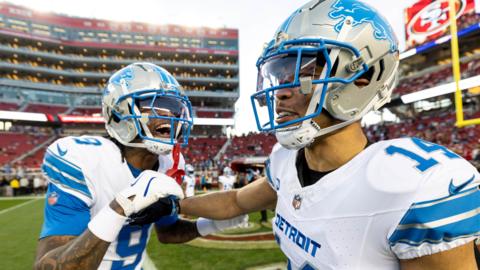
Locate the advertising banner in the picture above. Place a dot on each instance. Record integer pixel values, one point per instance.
(428, 20)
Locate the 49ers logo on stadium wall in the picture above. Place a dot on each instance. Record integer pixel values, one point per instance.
(433, 18)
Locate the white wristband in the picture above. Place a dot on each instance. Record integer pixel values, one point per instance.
(107, 224)
(206, 226)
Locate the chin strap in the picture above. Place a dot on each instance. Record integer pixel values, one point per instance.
(175, 172)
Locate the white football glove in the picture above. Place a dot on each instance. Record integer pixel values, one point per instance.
(209, 226)
(147, 188)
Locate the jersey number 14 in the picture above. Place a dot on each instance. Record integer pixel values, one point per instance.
(423, 163)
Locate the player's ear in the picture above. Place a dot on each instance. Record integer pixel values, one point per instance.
(362, 82)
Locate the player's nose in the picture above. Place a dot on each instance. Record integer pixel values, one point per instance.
(283, 94)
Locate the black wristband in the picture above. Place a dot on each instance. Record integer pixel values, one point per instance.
(176, 206)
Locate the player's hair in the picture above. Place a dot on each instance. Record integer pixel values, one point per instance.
(119, 145)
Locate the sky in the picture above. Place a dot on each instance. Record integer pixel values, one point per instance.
(256, 21)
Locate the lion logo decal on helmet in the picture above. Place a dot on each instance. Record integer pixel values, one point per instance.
(361, 13)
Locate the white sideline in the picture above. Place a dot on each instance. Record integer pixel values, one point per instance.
(18, 206)
(148, 263)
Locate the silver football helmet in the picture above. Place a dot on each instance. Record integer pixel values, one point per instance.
(143, 107)
(321, 50)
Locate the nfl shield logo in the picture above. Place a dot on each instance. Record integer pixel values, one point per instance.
(52, 198)
(297, 202)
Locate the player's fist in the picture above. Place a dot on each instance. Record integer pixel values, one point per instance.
(168, 206)
(147, 188)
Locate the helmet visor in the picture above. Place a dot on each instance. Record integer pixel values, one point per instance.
(164, 106)
(283, 70)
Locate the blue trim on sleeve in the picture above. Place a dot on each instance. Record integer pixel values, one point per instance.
(64, 213)
(166, 221)
(416, 236)
(441, 220)
(65, 181)
(274, 185)
(442, 208)
(64, 166)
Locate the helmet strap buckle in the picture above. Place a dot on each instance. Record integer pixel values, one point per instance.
(306, 85)
(355, 65)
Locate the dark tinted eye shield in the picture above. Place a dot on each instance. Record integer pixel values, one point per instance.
(173, 104)
(297, 64)
(289, 70)
(162, 106)
(158, 104)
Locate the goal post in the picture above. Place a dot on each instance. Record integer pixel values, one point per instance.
(461, 122)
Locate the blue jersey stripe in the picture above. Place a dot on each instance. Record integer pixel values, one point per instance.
(58, 178)
(461, 229)
(62, 159)
(430, 202)
(64, 166)
(444, 208)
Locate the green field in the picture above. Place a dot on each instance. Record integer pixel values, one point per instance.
(20, 228)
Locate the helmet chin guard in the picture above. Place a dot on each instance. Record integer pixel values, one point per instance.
(158, 148)
(298, 137)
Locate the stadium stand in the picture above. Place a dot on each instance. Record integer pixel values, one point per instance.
(8, 106)
(14, 144)
(44, 108)
(86, 111)
(58, 66)
(202, 150)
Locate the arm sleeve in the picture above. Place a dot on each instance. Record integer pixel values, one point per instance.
(64, 213)
(444, 215)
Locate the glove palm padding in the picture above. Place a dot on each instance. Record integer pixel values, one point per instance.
(147, 188)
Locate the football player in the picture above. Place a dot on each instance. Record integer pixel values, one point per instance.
(227, 179)
(96, 183)
(188, 183)
(341, 202)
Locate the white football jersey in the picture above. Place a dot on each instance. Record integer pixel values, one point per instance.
(189, 181)
(227, 181)
(91, 169)
(397, 199)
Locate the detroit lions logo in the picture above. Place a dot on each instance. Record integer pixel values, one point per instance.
(123, 77)
(361, 13)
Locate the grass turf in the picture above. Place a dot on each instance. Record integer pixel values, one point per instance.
(19, 230)
(4, 204)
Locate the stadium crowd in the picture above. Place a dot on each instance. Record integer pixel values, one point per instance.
(205, 154)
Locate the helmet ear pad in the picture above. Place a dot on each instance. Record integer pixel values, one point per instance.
(124, 130)
(349, 101)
